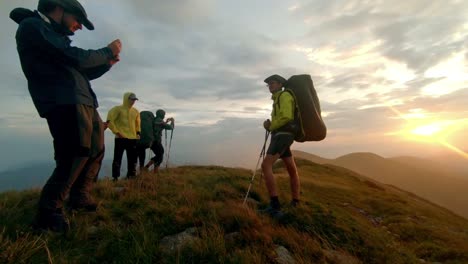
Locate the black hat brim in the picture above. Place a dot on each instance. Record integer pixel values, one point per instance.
(87, 23)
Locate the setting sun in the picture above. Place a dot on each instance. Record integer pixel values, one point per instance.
(427, 130)
(430, 132)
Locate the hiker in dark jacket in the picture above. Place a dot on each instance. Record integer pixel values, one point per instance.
(58, 76)
(158, 126)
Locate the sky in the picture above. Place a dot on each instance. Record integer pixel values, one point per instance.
(392, 76)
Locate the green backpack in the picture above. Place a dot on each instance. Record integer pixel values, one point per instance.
(308, 113)
(146, 134)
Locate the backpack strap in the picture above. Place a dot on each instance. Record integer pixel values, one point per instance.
(289, 92)
(278, 101)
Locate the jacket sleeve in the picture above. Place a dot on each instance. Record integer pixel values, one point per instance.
(168, 126)
(58, 47)
(111, 117)
(286, 111)
(163, 125)
(96, 72)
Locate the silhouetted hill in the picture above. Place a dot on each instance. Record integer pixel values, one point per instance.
(36, 175)
(25, 178)
(453, 161)
(409, 174)
(434, 165)
(311, 157)
(195, 215)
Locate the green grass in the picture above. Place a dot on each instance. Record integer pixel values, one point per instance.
(364, 221)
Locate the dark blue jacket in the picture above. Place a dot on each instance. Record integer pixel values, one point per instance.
(57, 73)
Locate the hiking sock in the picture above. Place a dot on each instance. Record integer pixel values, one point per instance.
(274, 203)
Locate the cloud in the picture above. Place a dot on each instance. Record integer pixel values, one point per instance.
(179, 13)
(215, 84)
(416, 33)
(413, 41)
(355, 80)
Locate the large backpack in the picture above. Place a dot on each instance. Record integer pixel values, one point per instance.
(308, 112)
(146, 134)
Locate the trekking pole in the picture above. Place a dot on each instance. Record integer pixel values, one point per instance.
(262, 154)
(165, 146)
(169, 150)
(267, 134)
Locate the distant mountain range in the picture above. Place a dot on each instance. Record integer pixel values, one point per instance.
(33, 176)
(36, 175)
(425, 178)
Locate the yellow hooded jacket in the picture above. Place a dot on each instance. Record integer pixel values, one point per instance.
(124, 119)
(283, 109)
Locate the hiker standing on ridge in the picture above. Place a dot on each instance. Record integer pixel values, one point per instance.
(158, 126)
(283, 129)
(59, 77)
(124, 122)
(146, 137)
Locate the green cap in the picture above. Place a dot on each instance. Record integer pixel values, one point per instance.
(275, 77)
(160, 113)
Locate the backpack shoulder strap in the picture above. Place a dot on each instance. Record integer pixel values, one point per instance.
(278, 101)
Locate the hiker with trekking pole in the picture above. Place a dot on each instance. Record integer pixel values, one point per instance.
(296, 116)
(283, 129)
(158, 126)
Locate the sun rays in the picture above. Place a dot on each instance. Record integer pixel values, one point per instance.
(421, 127)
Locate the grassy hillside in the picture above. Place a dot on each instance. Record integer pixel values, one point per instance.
(428, 181)
(345, 218)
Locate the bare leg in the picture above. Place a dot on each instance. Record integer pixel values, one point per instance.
(267, 168)
(293, 176)
(150, 163)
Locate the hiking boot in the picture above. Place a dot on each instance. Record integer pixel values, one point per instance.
(115, 179)
(54, 221)
(272, 212)
(294, 203)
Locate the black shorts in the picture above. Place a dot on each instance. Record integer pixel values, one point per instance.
(281, 144)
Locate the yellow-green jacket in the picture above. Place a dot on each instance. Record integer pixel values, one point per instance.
(124, 119)
(283, 110)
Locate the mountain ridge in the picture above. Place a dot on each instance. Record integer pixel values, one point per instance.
(437, 186)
